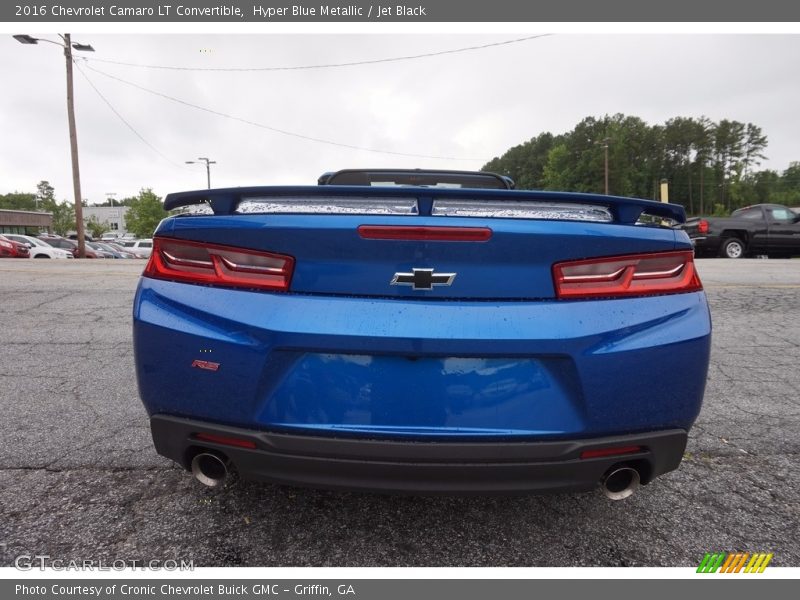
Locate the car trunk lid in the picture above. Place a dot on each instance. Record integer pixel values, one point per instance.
(420, 242)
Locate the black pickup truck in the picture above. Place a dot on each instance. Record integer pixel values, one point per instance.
(769, 229)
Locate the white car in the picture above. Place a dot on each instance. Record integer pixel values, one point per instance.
(139, 248)
(39, 249)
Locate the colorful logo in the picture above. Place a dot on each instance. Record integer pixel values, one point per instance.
(734, 562)
(206, 365)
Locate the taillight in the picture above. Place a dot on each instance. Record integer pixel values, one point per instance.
(212, 264)
(633, 275)
(428, 234)
(702, 226)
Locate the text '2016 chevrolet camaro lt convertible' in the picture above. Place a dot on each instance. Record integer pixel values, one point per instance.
(423, 332)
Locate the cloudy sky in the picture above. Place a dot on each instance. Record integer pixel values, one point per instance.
(463, 107)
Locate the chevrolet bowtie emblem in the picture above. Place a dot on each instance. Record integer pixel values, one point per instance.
(423, 279)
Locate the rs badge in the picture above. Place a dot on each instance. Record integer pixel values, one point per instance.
(206, 365)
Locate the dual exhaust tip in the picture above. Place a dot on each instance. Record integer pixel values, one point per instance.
(620, 482)
(212, 470)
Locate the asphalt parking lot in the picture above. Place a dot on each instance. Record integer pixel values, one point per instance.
(79, 478)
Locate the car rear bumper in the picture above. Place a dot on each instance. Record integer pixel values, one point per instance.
(419, 467)
(421, 370)
(706, 244)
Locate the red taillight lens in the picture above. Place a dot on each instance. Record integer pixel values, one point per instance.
(634, 275)
(212, 264)
(702, 226)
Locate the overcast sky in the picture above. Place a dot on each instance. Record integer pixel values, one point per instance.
(471, 105)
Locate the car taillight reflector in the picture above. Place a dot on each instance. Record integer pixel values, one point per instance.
(633, 275)
(702, 226)
(428, 234)
(222, 439)
(212, 264)
(601, 452)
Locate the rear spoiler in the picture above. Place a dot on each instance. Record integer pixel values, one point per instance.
(224, 201)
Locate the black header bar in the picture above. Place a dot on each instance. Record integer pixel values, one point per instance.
(182, 11)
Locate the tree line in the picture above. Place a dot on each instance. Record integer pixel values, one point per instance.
(145, 210)
(711, 167)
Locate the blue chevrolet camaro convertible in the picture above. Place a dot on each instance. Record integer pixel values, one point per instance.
(423, 332)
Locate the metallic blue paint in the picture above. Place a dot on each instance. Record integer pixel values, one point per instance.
(331, 258)
(422, 368)
(495, 356)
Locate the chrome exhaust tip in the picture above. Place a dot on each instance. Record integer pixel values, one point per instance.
(620, 483)
(210, 469)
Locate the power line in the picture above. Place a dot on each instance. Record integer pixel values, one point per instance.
(277, 130)
(121, 118)
(325, 65)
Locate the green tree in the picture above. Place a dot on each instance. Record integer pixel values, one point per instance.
(788, 188)
(683, 140)
(710, 166)
(703, 144)
(63, 217)
(556, 175)
(18, 201)
(764, 184)
(95, 227)
(144, 214)
(42, 200)
(728, 151)
(525, 164)
(45, 193)
(754, 143)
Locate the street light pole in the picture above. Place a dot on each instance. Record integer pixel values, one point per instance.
(208, 167)
(73, 135)
(110, 196)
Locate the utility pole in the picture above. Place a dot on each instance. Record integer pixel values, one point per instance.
(110, 196)
(604, 143)
(208, 163)
(73, 136)
(73, 147)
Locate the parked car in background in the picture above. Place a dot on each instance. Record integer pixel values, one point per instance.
(12, 249)
(86, 236)
(119, 248)
(38, 248)
(59, 242)
(141, 248)
(109, 236)
(445, 335)
(113, 251)
(770, 229)
(101, 253)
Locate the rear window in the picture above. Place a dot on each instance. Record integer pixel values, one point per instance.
(747, 213)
